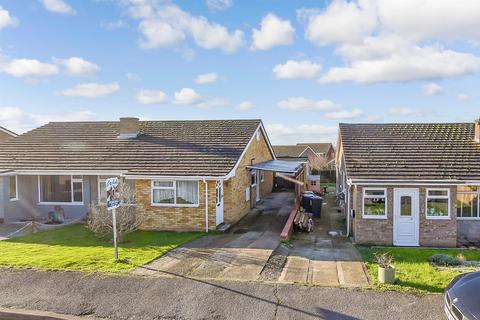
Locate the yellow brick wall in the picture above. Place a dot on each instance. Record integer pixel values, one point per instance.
(175, 218)
(235, 203)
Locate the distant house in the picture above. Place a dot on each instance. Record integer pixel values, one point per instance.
(187, 175)
(415, 184)
(6, 134)
(307, 153)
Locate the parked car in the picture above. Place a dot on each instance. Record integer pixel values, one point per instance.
(462, 299)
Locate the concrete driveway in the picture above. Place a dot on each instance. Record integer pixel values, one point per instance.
(240, 254)
(252, 251)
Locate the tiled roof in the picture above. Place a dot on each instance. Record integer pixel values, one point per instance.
(411, 151)
(289, 151)
(177, 148)
(317, 147)
(9, 132)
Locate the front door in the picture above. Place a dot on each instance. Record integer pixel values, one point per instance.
(219, 202)
(406, 217)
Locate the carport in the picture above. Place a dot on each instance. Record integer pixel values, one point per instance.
(292, 171)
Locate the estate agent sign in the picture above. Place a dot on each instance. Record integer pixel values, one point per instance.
(113, 202)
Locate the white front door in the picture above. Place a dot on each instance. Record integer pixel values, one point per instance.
(406, 217)
(219, 202)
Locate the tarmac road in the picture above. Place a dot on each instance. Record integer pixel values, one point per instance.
(136, 297)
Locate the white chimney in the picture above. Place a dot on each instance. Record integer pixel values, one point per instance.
(129, 128)
(477, 130)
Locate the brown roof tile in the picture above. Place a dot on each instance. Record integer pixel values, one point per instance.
(177, 148)
(411, 151)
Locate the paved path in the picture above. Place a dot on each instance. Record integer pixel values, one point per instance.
(320, 259)
(133, 297)
(240, 254)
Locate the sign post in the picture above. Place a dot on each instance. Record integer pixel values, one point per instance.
(113, 202)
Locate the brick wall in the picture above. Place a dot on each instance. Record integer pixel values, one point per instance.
(436, 233)
(235, 202)
(175, 218)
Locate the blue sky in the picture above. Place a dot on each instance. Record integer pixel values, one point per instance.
(300, 66)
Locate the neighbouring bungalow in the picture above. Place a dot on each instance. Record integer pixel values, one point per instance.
(187, 175)
(415, 184)
(6, 134)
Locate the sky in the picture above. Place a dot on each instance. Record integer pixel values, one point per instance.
(301, 66)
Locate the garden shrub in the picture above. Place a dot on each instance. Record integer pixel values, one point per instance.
(444, 260)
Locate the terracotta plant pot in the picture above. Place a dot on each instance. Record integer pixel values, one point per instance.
(386, 275)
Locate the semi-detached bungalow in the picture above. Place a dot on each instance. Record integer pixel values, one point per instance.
(187, 175)
(415, 184)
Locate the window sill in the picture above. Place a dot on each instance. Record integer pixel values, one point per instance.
(437, 218)
(14, 199)
(468, 218)
(374, 217)
(61, 203)
(175, 205)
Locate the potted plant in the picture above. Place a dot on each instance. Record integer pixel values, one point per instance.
(386, 270)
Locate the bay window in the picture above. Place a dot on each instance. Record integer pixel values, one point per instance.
(175, 193)
(468, 204)
(374, 203)
(437, 204)
(60, 189)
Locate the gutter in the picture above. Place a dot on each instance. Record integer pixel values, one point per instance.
(413, 182)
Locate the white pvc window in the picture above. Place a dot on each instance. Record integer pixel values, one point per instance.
(13, 188)
(175, 193)
(468, 202)
(437, 204)
(102, 192)
(60, 189)
(374, 203)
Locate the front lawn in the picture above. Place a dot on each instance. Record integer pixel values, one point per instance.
(413, 271)
(77, 248)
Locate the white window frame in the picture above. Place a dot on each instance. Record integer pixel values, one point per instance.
(175, 204)
(427, 197)
(16, 188)
(253, 173)
(72, 203)
(364, 196)
(262, 175)
(99, 180)
(478, 204)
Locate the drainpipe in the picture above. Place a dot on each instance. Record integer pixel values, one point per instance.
(206, 204)
(347, 198)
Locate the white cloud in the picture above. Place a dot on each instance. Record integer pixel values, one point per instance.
(463, 97)
(383, 40)
(91, 90)
(218, 5)
(78, 66)
(163, 24)
(406, 64)
(404, 111)
(300, 103)
(133, 77)
(113, 25)
(19, 120)
(273, 32)
(187, 96)
(432, 88)
(245, 105)
(58, 6)
(27, 68)
(282, 134)
(151, 97)
(206, 78)
(7, 20)
(344, 114)
(297, 70)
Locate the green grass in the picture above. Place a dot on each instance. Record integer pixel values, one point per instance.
(413, 271)
(77, 248)
(328, 185)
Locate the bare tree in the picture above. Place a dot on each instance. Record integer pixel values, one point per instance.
(128, 220)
